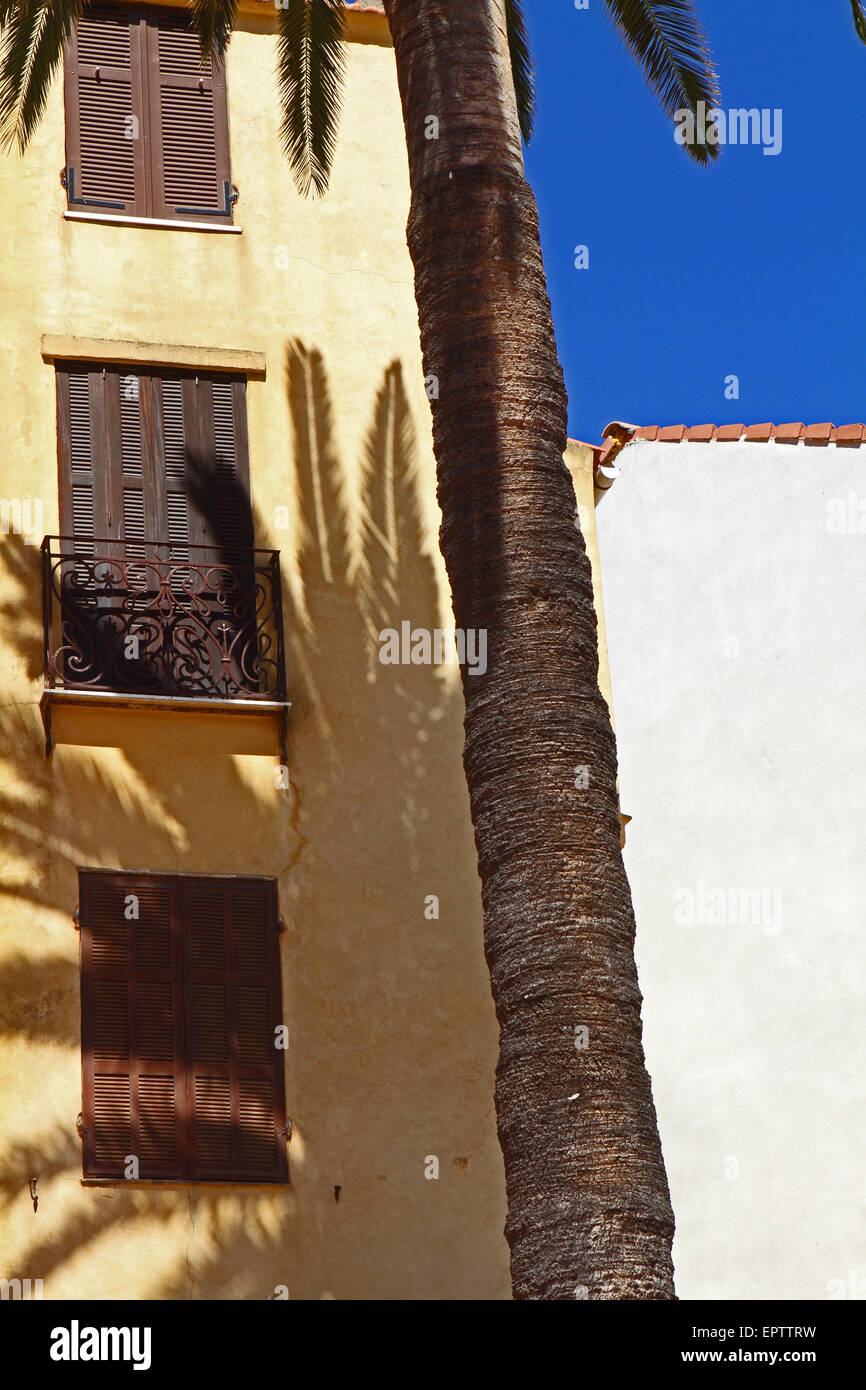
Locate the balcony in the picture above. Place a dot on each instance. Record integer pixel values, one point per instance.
(183, 627)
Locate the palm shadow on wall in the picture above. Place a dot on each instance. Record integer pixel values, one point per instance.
(381, 796)
(368, 726)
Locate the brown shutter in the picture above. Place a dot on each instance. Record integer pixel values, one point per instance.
(126, 388)
(220, 514)
(77, 640)
(106, 130)
(235, 1075)
(132, 1026)
(153, 456)
(81, 457)
(191, 180)
(220, 489)
(124, 470)
(202, 477)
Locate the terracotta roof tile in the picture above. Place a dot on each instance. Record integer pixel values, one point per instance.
(790, 433)
(818, 434)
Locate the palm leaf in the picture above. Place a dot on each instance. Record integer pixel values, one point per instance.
(666, 38)
(213, 20)
(859, 11)
(31, 47)
(521, 67)
(310, 66)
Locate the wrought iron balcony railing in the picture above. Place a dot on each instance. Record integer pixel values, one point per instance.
(191, 622)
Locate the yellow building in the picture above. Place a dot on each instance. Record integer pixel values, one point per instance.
(249, 1039)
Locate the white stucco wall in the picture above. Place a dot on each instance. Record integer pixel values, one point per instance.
(736, 617)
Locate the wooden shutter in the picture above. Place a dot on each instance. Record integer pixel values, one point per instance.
(180, 1007)
(202, 479)
(132, 1027)
(188, 122)
(148, 456)
(106, 131)
(221, 492)
(128, 476)
(233, 1006)
(83, 477)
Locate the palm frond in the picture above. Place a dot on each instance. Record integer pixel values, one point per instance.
(311, 61)
(666, 38)
(32, 35)
(213, 21)
(521, 67)
(859, 11)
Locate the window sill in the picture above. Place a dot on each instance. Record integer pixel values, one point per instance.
(115, 219)
(103, 700)
(67, 695)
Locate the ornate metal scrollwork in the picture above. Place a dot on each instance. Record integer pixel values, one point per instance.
(158, 624)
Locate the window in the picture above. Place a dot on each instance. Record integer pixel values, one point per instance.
(180, 1011)
(146, 120)
(149, 455)
(155, 589)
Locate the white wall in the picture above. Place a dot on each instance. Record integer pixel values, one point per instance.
(736, 617)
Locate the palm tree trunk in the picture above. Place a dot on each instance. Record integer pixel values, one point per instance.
(589, 1213)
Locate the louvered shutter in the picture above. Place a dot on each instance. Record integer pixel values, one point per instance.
(203, 499)
(188, 125)
(133, 500)
(130, 504)
(153, 457)
(81, 641)
(132, 1028)
(220, 491)
(221, 518)
(105, 489)
(233, 1003)
(174, 402)
(106, 131)
(84, 488)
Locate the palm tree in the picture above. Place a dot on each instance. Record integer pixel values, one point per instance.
(589, 1212)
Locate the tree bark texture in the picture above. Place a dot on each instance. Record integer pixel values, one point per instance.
(589, 1213)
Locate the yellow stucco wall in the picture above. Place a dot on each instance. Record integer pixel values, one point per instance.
(580, 460)
(392, 1031)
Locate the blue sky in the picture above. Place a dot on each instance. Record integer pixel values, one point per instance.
(753, 267)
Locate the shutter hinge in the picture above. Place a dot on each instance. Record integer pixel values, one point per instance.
(80, 1125)
(230, 197)
(286, 1131)
(281, 926)
(76, 917)
(67, 178)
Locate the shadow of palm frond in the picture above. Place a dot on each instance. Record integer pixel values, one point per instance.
(23, 611)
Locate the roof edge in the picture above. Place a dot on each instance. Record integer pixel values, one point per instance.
(618, 434)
